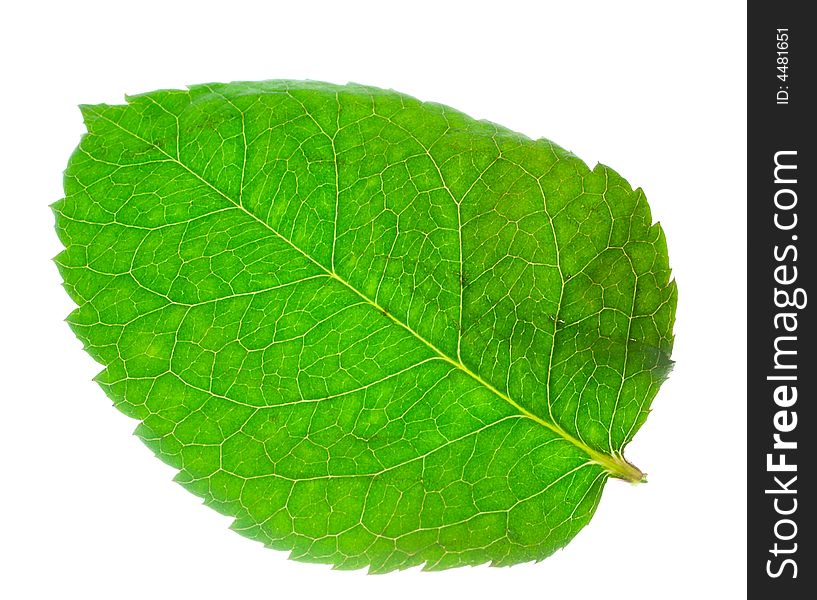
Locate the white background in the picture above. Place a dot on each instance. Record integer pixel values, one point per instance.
(656, 90)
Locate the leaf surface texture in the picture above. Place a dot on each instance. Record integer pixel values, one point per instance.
(376, 332)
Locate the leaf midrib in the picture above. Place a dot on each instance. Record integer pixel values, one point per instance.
(614, 464)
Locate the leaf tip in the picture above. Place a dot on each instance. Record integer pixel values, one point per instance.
(89, 113)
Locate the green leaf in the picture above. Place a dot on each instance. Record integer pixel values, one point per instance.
(374, 331)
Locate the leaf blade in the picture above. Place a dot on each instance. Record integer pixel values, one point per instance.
(246, 286)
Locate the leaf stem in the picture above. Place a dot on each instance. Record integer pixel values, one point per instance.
(617, 466)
